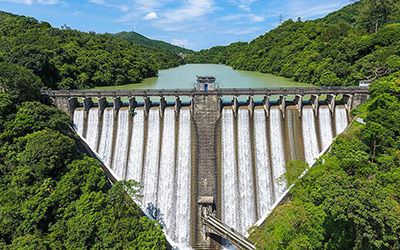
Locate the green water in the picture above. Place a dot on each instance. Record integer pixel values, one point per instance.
(183, 77)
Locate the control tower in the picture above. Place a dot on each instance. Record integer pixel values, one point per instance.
(206, 83)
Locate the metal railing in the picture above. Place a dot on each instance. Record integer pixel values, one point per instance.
(193, 92)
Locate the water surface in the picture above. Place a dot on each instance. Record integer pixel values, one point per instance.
(184, 77)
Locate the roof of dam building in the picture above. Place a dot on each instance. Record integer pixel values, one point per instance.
(206, 79)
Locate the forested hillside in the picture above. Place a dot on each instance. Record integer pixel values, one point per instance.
(52, 196)
(359, 42)
(350, 200)
(70, 59)
(142, 40)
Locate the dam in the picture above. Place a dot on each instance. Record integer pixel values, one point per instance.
(214, 150)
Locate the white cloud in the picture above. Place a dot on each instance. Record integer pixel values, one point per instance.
(247, 17)
(41, 2)
(190, 10)
(312, 8)
(78, 13)
(242, 31)
(127, 18)
(28, 2)
(243, 4)
(49, 2)
(122, 7)
(150, 16)
(145, 6)
(180, 42)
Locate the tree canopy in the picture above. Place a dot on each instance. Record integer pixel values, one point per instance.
(142, 40)
(359, 42)
(70, 59)
(53, 197)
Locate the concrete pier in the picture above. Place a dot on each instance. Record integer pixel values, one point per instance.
(235, 106)
(314, 101)
(331, 101)
(102, 105)
(266, 105)
(117, 105)
(282, 104)
(347, 100)
(132, 104)
(177, 106)
(163, 104)
(251, 105)
(206, 118)
(147, 106)
(299, 103)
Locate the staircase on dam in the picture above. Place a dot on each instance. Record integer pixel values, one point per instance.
(228, 145)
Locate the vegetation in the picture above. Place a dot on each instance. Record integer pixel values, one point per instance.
(351, 199)
(142, 40)
(359, 42)
(51, 196)
(69, 59)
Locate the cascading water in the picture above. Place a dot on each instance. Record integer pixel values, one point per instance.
(166, 181)
(273, 143)
(78, 121)
(157, 152)
(106, 139)
(310, 139)
(230, 200)
(326, 128)
(135, 159)
(246, 187)
(121, 144)
(183, 173)
(277, 151)
(341, 120)
(151, 162)
(263, 171)
(92, 133)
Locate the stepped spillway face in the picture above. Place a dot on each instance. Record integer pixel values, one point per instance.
(255, 150)
(157, 151)
(152, 151)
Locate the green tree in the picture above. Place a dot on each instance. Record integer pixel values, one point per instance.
(20, 83)
(375, 13)
(47, 153)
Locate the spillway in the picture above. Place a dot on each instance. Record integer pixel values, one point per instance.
(253, 162)
(152, 151)
(106, 139)
(253, 148)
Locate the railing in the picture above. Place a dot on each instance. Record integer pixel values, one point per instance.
(193, 92)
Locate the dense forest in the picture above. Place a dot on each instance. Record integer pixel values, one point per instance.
(70, 59)
(351, 199)
(142, 40)
(359, 42)
(52, 196)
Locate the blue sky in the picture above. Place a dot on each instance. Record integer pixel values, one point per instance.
(194, 24)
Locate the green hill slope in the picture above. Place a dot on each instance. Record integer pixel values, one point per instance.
(142, 40)
(69, 59)
(339, 49)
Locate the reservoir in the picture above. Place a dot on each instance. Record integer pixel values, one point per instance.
(184, 77)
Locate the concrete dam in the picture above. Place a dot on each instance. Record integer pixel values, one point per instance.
(212, 150)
